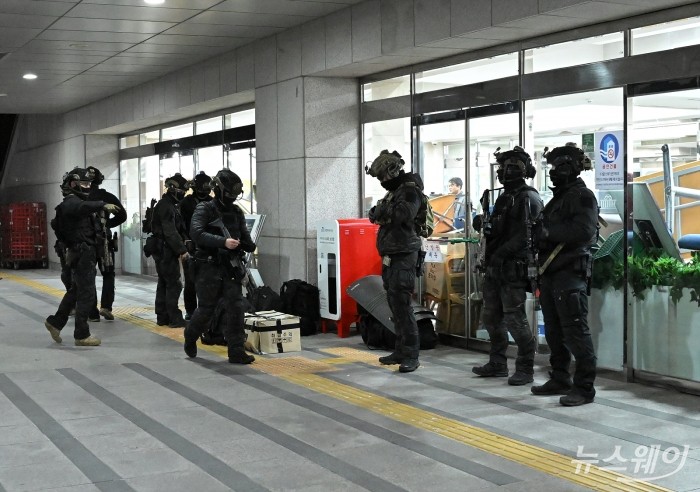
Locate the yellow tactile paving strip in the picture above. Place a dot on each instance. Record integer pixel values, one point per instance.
(303, 372)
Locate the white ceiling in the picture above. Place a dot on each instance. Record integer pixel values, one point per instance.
(86, 50)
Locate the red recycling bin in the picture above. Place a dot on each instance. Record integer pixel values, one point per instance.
(346, 252)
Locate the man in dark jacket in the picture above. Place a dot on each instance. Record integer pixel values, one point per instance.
(399, 245)
(59, 247)
(506, 270)
(569, 229)
(106, 243)
(76, 229)
(169, 229)
(219, 271)
(201, 192)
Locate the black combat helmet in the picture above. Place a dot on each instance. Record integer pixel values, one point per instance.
(386, 166)
(77, 182)
(97, 176)
(566, 163)
(201, 185)
(514, 165)
(227, 186)
(176, 185)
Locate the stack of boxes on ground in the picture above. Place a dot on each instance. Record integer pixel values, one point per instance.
(445, 289)
(272, 332)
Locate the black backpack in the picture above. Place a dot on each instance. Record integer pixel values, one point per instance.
(265, 299)
(377, 336)
(302, 299)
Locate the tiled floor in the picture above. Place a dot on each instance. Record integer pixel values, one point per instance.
(137, 414)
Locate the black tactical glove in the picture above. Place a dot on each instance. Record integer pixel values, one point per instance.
(371, 214)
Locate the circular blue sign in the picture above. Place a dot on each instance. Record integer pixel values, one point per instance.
(609, 148)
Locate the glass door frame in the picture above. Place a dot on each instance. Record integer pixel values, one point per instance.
(466, 115)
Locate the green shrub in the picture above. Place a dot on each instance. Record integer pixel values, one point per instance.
(657, 268)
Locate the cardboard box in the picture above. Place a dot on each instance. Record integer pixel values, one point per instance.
(272, 332)
(435, 283)
(436, 276)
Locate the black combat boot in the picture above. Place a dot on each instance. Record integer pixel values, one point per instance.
(409, 365)
(491, 370)
(576, 397)
(392, 358)
(520, 378)
(552, 387)
(190, 347)
(239, 356)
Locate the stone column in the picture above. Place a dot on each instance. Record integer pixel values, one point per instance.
(308, 168)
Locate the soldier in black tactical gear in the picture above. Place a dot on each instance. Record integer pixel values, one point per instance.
(76, 228)
(399, 245)
(58, 246)
(201, 192)
(569, 229)
(169, 230)
(506, 270)
(219, 230)
(107, 242)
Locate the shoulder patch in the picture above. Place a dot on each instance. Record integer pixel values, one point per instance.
(411, 195)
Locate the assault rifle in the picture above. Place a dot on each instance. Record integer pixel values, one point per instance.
(238, 270)
(532, 267)
(104, 239)
(480, 263)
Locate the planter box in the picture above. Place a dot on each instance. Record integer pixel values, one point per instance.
(684, 338)
(606, 322)
(665, 336)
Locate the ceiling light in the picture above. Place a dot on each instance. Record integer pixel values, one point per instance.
(3, 95)
(154, 2)
(29, 76)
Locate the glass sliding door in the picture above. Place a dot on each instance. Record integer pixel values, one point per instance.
(665, 211)
(486, 134)
(131, 229)
(150, 187)
(455, 152)
(441, 156)
(594, 121)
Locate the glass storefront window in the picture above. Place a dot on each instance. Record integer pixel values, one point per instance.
(578, 52)
(149, 137)
(150, 187)
(242, 162)
(384, 89)
(241, 118)
(209, 125)
(467, 73)
(666, 36)
(390, 135)
(130, 141)
(210, 160)
(131, 229)
(175, 132)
